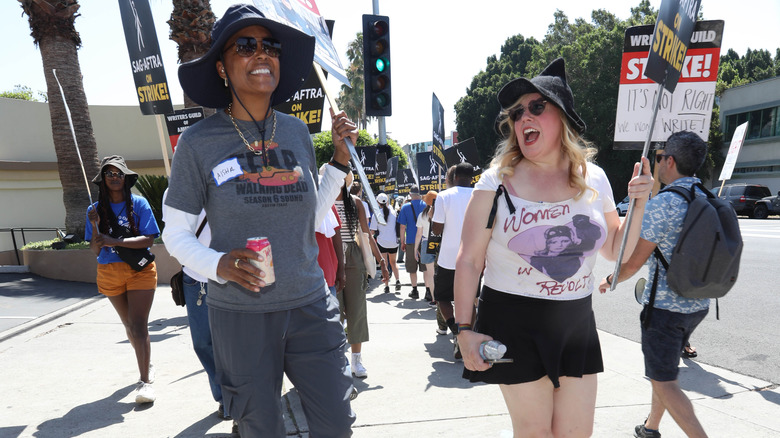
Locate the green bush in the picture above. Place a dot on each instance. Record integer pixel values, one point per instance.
(152, 188)
(46, 245)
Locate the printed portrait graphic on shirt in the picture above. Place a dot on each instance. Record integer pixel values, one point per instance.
(558, 251)
(276, 184)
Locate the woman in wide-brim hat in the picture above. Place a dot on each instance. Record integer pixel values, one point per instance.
(541, 178)
(254, 171)
(118, 213)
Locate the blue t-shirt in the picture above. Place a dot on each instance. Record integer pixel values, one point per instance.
(408, 217)
(144, 220)
(662, 224)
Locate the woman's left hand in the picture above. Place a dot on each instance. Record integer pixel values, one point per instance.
(342, 128)
(468, 343)
(385, 272)
(641, 184)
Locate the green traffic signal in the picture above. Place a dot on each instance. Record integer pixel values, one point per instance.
(380, 64)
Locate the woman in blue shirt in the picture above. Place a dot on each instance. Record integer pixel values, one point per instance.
(125, 220)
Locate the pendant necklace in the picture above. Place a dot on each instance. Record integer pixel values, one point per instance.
(256, 143)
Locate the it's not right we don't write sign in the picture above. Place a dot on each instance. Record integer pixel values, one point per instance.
(688, 108)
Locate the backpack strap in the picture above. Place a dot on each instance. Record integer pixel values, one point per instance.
(492, 217)
(651, 303)
(660, 257)
(202, 225)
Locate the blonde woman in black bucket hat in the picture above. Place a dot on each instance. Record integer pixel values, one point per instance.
(540, 179)
(254, 172)
(129, 288)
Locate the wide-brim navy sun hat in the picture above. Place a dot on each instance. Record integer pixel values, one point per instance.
(201, 82)
(552, 84)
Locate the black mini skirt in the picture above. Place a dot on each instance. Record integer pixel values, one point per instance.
(544, 337)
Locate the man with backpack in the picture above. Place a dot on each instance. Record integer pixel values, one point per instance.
(669, 319)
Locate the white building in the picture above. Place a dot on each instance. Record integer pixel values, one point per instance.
(758, 104)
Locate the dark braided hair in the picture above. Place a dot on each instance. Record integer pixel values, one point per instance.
(108, 219)
(350, 210)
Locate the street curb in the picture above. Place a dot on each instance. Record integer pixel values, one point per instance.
(29, 325)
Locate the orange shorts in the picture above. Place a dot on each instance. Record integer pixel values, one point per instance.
(117, 278)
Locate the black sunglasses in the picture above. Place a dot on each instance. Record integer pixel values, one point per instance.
(112, 174)
(535, 107)
(247, 46)
(660, 157)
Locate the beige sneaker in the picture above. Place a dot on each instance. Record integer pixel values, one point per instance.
(144, 393)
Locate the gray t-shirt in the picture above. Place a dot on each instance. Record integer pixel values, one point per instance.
(213, 169)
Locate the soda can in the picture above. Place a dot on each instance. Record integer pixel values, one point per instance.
(262, 246)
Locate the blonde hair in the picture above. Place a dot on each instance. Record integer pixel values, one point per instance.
(578, 150)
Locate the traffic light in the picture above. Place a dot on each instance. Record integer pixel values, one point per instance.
(376, 65)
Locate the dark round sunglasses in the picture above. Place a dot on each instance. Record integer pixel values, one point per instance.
(247, 46)
(112, 174)
(535, 107)
(660, 157)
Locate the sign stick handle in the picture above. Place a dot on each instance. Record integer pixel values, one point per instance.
(163, 146)
(630, 214)
(75, 142)
(352, 152)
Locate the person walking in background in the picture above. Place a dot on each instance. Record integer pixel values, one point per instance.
(408, 230)
(254, 171)
(448, 214)
(540, 179)
(667, 328)
(352, 299)
(387, 239)
(125, 221)
(421, 254)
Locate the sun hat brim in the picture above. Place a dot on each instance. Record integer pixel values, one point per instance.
(552, 84)
(201, 82)
(118, 162)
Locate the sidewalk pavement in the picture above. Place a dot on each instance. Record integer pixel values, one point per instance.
(74, 375)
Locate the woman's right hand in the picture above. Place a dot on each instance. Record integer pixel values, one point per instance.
(468, 343)
(235, 266)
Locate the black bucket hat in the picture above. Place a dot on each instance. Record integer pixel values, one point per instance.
(199, 78)
(118, 162)
(551, 83)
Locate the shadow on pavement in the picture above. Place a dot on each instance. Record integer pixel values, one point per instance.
(89, 417)
(31, 285)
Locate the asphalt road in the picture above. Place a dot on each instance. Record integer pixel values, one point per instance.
(745, 339)
(25, 297)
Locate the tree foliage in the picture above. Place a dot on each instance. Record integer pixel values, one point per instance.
(593, 52)
(323, 147)
(23, 92)
(350, 99)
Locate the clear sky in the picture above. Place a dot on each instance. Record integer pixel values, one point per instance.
(437, 46)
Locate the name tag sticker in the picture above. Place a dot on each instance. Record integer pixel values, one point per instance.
(226, 170)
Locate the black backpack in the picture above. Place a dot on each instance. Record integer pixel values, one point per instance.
(705, 260)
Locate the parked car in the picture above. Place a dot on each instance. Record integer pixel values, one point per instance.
(622, 206)
(743, 197)
(767, 206)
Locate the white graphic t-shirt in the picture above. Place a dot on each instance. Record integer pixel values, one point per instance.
(547, 250)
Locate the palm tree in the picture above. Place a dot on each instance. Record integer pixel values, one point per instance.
(191, 22)
(53, 31)
(350, 100)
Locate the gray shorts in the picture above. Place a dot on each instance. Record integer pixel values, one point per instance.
(252, 352)
(664, 339)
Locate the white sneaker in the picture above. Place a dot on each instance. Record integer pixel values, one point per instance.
(151, 373)
(144, 393)
(358, 370)
(441, 331)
